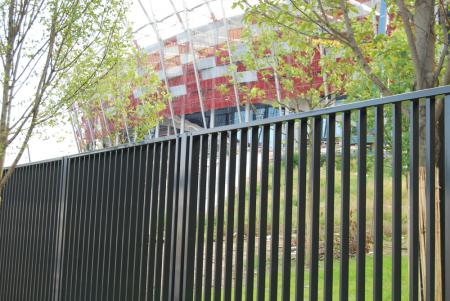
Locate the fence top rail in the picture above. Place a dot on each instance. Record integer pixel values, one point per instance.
(415, 95)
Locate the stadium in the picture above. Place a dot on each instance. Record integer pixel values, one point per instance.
(196, 49)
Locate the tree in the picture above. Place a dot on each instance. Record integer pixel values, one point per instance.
(413, 55)
(287, 66)
(417, 45)
(124, 105)
(43, 45)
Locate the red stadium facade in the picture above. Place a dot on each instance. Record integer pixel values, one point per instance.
(213, 62)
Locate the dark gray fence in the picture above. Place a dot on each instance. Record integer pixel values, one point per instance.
(238, 212)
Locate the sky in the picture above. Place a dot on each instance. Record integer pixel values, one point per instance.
(54, 142)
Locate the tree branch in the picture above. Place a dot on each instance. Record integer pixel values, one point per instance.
(358, 52)
(444, 52)
(405, 15)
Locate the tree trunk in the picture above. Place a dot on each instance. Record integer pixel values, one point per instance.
(422, 237)
(425, 41)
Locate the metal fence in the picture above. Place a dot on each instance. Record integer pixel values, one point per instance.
(267, 210)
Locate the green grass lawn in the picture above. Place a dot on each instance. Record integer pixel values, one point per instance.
(387, 268)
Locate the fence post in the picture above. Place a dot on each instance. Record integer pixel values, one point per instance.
(61, 223)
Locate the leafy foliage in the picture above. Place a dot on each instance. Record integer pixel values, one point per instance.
(129, 96)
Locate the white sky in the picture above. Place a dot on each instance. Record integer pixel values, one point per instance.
(52, 142)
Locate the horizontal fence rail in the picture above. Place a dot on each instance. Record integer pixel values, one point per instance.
(347, 202)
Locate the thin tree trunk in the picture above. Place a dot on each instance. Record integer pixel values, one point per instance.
(422, 236)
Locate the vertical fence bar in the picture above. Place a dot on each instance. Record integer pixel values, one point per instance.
(160, 222)
(396, 200)
(191, 218)
(130, 218)
(31, 177)
(275, 212)
(301, 197)
(210, 215)
(111, 211)
(123, 222)
(145, 238)
(85, 216)
(20, 199)
(92, 246)
(46, 245)
(62, 216)
(220, 216)
(70, 229)
(168, 238)
(378, 205)
(4, 222)
(263, 214)
(20, 243)
(329, 209)
(5, 197)
(361, 256)
(252, 214)
(201, 218)
(230, 217)
(414, 201)
(345, 204)
(75, 227)
(31, 180)
(430, 198)
(80, 242)
(136, 219)
(43, 198)
(32, 240)
(184, 155)
(113, 192)
(50, 258)
(315, 207)
(441, 185)
(173, 251)
(6, 206)
(447, 191)
(240, 218)
(113, 224)
(288, 189)
(14, 243)
(153, 221)
(43, 271)
(37, 196)
(180, 153)
(65, 231)
(55, 257)
(102, 225)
